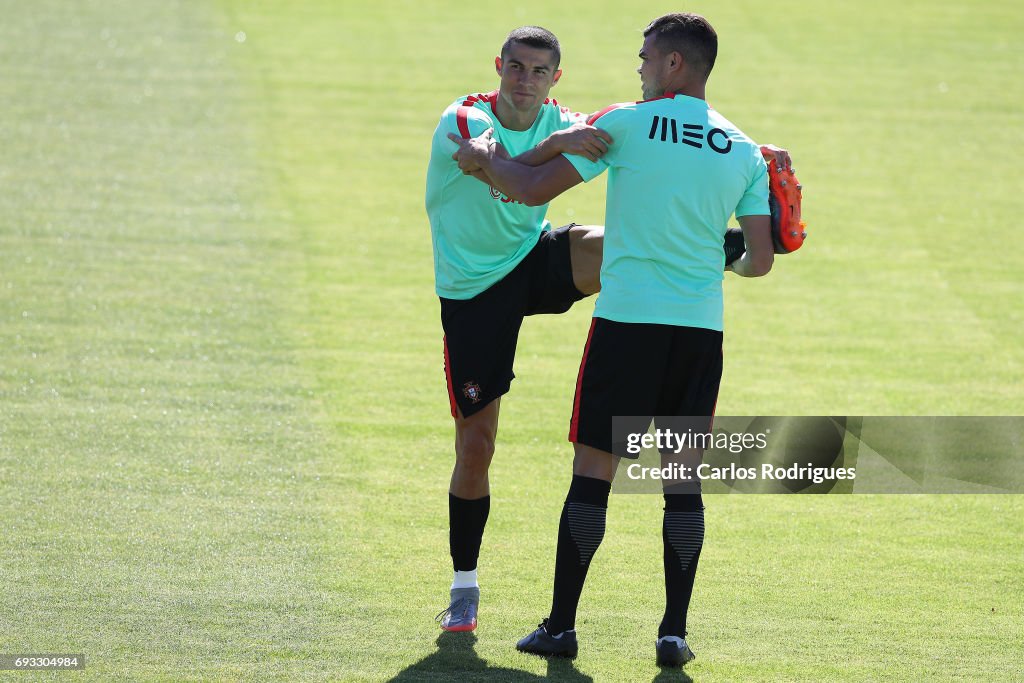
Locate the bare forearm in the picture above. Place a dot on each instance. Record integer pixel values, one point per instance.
(580, 139)
(747, 266)
(514, 179)
(531, 185)
(546, 150)
(758, 258)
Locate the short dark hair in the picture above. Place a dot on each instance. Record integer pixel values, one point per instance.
(688, 34)
(534, 36)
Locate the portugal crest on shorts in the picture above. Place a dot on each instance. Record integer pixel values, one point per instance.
(471, 390)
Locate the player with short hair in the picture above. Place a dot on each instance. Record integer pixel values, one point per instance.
(677, 170)
(496, 260)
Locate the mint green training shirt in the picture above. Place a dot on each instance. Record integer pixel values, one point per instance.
(678, 170)
(479, 235)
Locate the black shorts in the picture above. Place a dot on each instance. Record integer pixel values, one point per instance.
(480, 333)
(643, 369)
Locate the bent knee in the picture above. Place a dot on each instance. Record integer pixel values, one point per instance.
(474, 449)
(586, 243)
(589, 237)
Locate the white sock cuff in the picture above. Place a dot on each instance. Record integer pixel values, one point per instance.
(465, 579)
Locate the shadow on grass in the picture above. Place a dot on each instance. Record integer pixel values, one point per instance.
(456, 659)
(669, 675)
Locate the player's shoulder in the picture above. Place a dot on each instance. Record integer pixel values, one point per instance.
(718, 120)
(612, 112)
(480, 102)
(737, 137)
(627, 109)
(472, 109)
(555, 111)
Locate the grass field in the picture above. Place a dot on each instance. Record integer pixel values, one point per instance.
(224, 434)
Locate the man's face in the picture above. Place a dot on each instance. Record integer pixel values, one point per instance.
(527, 75)
(653, 69)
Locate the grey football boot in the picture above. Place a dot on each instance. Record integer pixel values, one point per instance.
(461, 612)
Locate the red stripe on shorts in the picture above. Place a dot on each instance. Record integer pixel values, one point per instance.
(575, 423)
(448, 377)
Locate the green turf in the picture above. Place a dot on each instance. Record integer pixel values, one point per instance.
(224, 440)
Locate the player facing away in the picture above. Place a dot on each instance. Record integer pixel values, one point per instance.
(677, 170)
(496, 260)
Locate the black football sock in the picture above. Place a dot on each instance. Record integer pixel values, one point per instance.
(682, 532)
(466, 521)
(579, 534)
